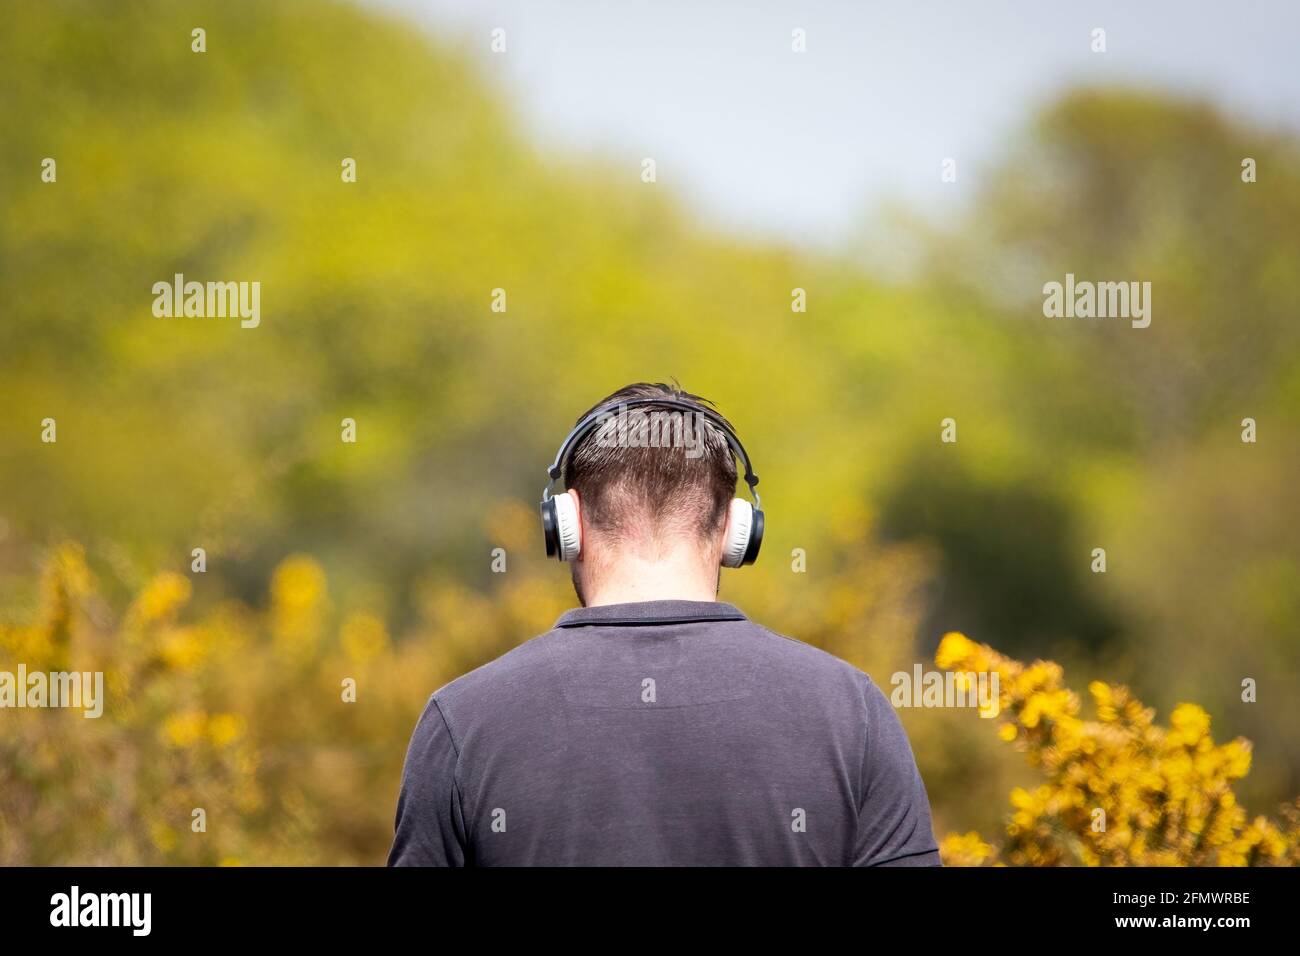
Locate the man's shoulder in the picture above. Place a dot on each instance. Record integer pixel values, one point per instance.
(783, 657)
(800, 653)
(518, 663)
(800, 661)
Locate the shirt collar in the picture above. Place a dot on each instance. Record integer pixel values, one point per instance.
(650, 612)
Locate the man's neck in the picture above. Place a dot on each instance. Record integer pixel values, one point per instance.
(680, 576)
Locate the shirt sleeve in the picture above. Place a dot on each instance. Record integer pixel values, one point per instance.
(894, 827)
(430, 827)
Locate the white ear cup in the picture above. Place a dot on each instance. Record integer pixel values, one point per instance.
(738, 528)
(568, 530)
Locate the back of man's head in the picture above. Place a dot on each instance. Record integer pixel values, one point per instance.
(653, 476)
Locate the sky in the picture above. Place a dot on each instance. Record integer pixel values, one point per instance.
(801, 147)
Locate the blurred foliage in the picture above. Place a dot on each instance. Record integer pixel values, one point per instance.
(182, 433)
(242, 712)
(1120, 790)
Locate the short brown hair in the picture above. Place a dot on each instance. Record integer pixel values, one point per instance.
(622, 487)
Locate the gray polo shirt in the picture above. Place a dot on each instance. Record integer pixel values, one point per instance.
(661, 733)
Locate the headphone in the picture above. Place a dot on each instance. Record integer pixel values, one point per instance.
(560, 523)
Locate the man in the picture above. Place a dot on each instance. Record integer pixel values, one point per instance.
(655, 725)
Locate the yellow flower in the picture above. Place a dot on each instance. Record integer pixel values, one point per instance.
(298, 585)
(297, 603)
(183, 649)
(1190, 721)
(224, 728)
(184, 729)
(162, 597)
(964, 850)
(954, 650)
(1237, 758)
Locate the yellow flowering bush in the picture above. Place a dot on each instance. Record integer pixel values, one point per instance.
(1118, 789)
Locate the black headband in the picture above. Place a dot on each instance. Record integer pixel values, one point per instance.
(600, 415)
